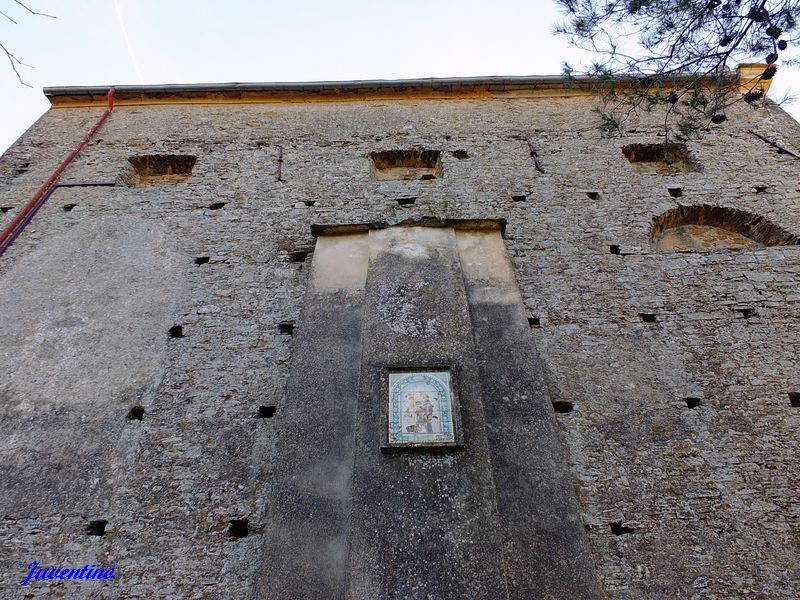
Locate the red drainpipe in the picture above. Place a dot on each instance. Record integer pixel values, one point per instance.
(24, 217)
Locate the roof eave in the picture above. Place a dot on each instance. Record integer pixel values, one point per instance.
(449, 87)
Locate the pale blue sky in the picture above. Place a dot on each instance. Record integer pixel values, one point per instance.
(205, 41)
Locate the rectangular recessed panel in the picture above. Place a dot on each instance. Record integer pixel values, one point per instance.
(406, 164)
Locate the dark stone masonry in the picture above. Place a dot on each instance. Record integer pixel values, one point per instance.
(200, 323)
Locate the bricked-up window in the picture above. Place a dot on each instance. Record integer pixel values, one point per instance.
(158, 169)
(705, 227)
(662, 159)
(406, 164)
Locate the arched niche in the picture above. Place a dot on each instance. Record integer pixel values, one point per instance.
(703, 228)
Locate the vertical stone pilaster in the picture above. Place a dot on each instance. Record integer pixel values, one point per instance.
(545, 548)
(424, 523)
(308, 515)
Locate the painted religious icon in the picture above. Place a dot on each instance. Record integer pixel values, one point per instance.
(420, 408)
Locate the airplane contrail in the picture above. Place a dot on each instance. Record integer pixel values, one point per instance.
(128, 42)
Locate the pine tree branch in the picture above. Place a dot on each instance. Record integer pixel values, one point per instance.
(14, 62)
(12, 59)
(33, 12)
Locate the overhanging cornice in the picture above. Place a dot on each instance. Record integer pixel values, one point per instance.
(536, 86)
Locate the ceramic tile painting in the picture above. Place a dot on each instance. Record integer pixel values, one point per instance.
(420, 408)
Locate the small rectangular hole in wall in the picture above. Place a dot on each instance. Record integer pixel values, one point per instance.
(96, 527)
(593, 195)
(176, 331)
(534, 321)
(136, 413)
(647, 317)
(299, 256)
(158, 169)
(406, 201)
(217, 205)
(406, 164)
(692, 402)
(562, 406)
(5, 209)
(617, 528)
(202, 260)
(287, 327)
(761, 189)
(747, 312)
(614, 249)
(794, 399)
(23, 168)
(68, 207)
(519, 198)
(675, 192)
(309, 202)
(239, 528)
(266, 412)
(460, 154)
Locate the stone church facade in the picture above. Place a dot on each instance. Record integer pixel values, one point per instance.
(433, 339)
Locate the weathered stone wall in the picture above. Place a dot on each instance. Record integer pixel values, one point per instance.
(679, 502)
